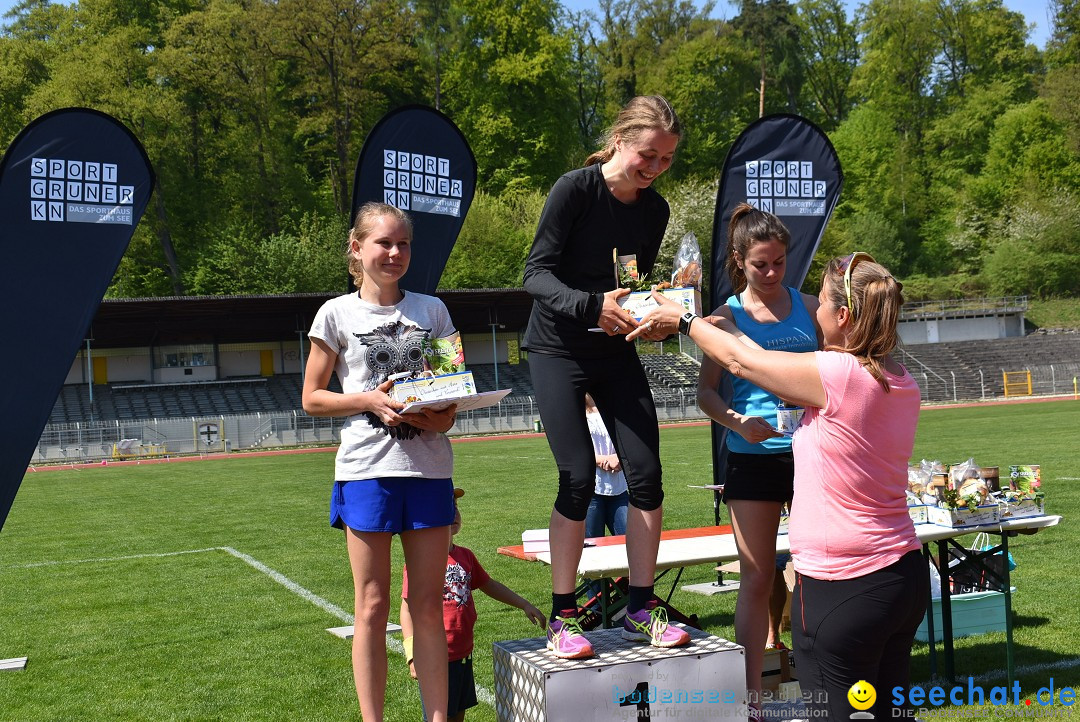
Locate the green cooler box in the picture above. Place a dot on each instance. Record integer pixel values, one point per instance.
(972, 613)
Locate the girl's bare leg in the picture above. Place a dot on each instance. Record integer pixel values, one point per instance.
(369, 556)
(755, 524)
(425, 556)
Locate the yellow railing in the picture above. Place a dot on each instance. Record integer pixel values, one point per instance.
(1017, 383)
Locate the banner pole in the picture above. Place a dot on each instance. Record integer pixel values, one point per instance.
(90, 378)
(495, 354)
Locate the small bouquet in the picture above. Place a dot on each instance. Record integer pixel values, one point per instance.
(626, 273)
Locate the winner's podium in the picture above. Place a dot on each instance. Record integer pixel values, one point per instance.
(621, 682)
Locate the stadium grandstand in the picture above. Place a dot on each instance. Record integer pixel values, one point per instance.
(207, 374)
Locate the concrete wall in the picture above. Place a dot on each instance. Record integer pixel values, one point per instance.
(478, 348)
(939, 330)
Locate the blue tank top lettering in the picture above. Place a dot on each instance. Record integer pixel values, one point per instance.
(795, 333)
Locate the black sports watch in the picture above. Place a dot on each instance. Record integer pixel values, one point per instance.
(684, 322)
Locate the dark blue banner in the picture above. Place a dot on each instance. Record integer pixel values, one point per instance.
(73, 186)
(783, 164)
(417, 160)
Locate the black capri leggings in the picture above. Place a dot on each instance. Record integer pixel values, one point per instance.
(858, 629)
(621, 391)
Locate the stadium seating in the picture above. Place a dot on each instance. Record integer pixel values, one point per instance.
(673, 372)
(945, 372)
(511, 376)
(936, 366)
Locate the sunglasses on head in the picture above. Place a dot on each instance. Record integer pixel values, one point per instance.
(845, 265)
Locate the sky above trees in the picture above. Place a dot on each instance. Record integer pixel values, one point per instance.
(1035, 12)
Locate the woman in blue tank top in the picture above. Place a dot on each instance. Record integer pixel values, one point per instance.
(760, 469)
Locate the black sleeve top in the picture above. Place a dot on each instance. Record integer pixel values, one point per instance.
(570, 265)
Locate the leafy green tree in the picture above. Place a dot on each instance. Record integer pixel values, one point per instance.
(346, 58)
(898, 48)
(1027, 157)
(34, 34)
(239, 152)
(1064, 45)
(1027, 191)
(508, 88)
(494, 241)
(587, 80)
(832, 52)
(771, 29)
(1036, 249)
(143, 272)
(954, 228)
(619, 50)
(660, 22)
(438, 22)
(1061, 87)
(1061, 91)
(308, 256)
(868, 145)
(882, 179)
(870, 231)
(959, 140)
(981, 42)
(640, 34)
(709, 80)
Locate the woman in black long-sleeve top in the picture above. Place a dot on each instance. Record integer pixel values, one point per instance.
(593, 213)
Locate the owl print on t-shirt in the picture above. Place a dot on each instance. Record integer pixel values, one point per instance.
(393, 348)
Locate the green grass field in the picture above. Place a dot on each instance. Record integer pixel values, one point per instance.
(118, 583)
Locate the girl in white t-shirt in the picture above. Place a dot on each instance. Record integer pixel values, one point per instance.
(393, 471)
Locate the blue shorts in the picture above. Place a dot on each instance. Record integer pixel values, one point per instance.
(392, 504)
(781, 560)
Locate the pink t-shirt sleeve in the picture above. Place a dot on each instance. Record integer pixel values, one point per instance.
(849, 515)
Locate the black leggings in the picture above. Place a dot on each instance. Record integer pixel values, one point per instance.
(621, 391)
(858, 629)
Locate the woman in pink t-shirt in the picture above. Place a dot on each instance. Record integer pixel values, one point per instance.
(861, 585)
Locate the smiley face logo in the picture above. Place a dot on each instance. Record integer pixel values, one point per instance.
(862, 695)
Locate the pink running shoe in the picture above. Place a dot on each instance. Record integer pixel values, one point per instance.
(651, 625)
(565, 638)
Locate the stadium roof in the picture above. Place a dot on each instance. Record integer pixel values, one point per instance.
(127, 322)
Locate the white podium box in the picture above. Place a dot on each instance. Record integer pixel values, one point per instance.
(706, 679)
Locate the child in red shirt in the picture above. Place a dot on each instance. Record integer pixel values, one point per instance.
(463, 575)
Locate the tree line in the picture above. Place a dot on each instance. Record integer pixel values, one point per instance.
(959, 139)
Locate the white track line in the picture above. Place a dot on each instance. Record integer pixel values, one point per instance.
(482, 693)
(102, 560)
(328, 607)
(1001, 673)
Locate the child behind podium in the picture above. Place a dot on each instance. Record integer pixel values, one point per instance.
(610, 496)
(463, 575)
